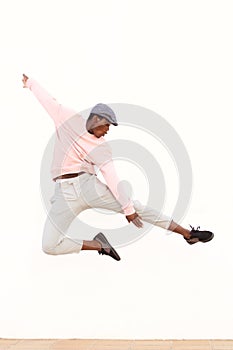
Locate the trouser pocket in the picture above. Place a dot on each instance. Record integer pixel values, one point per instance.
(65, 191)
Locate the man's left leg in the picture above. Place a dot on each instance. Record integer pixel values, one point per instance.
(192, 236)
(174, 227)
(153, 216)
(150, 215)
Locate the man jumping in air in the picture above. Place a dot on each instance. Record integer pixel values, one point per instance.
(79, 147)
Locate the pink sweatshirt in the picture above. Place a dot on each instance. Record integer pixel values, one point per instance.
(76, 149)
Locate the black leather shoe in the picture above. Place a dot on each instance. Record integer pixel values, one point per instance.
(106, 249)
(199, 236)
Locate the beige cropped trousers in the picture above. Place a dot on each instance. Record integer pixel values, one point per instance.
(74, 195)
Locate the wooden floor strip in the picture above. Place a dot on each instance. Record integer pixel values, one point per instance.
(111, 344)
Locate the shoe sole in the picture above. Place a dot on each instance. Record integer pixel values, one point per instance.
(196, 240)
(101, 236)
(209, 239)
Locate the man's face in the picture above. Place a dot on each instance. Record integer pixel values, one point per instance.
(101, 130)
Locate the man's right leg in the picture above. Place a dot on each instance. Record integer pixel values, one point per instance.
(56, 242)
(55, 239)
(66, 205)
(91, 245)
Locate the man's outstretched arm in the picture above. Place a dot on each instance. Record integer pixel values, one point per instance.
(57, 112)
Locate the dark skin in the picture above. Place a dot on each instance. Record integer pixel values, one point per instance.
(100, 131)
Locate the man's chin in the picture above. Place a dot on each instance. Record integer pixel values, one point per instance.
(98, 136)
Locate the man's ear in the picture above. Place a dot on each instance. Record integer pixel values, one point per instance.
(96, 118)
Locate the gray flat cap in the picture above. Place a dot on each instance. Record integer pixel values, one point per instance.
(105, 111)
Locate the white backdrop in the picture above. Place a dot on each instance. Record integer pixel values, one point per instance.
(173, 57)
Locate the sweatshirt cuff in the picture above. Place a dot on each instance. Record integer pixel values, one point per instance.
(129, 210)
(29, 83)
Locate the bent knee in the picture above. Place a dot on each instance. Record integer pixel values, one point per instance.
(49, 250)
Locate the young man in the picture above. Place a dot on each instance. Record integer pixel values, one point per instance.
(79, 147)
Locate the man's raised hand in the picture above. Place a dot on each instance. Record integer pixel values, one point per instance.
(24, 80)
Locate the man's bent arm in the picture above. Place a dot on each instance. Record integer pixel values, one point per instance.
(109, 173)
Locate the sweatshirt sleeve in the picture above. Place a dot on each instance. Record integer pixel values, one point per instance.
(102, 157)
(114, 184)
(57, 112)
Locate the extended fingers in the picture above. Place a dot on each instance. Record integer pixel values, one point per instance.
(137, 222)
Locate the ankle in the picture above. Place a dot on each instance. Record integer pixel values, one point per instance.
(187, 234)
(91, 245)
(98, 245)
